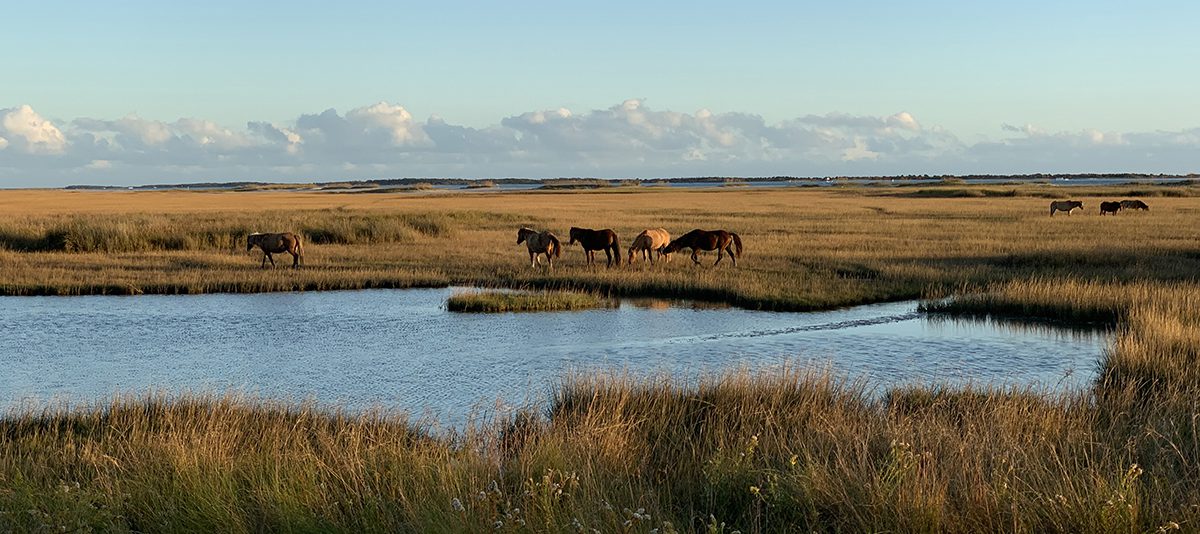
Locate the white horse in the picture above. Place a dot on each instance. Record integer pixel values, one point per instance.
(540, 243)
(650, 242)
(1065, 205)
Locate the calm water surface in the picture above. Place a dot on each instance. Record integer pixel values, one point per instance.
(400, 348)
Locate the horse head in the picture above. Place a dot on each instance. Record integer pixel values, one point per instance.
(575, 234)
(671, 247)
(523, 234)
(253, 239)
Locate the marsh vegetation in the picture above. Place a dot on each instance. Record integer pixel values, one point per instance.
(769, 451)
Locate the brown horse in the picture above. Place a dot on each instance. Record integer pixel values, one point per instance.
(718, 240)
(593, 240)
(540, 243)
(276, 243)
(1110, 207)
(1134, 205)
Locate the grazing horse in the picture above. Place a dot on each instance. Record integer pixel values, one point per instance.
(1110, 207)
(650, 242)
(274, 244)
(1134, 205)
(1065, 205)
(593, 240)
(540, 243)
(698, 240)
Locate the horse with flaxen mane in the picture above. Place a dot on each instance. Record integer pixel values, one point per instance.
(1065, 205)
(718, 240)
(650, 242)
(593, 240)
(540, 243)
(275, 244)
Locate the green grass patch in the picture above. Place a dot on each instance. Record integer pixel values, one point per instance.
(537, 301)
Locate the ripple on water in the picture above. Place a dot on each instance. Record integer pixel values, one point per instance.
(401, 348)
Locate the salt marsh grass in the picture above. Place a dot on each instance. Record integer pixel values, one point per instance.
(524, 301)
(773, 450)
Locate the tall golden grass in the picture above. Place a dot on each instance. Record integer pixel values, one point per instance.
(805, 248)
(768, 450)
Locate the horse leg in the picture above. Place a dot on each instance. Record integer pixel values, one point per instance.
(608, 255)
(272, 260)
(732, 256)
(720, 252)
(533, 260)
(694, 258)
(263, 264)
(295, 260)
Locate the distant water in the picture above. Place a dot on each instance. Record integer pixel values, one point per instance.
(401, 349)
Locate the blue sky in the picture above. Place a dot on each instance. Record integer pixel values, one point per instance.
(1002, 87)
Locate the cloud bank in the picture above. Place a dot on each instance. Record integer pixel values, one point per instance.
(630, 139)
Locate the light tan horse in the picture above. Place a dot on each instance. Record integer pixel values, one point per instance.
(540, 243)
(274, 244)
(650, 242)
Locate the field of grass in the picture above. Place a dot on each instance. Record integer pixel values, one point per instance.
(762, 450)
(532, 301)
(805, 248)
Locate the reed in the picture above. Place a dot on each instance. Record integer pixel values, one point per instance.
(775, 450)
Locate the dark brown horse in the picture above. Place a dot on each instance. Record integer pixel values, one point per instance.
(718, 240)
(593, 240)
(1134, 205)
(274, 244)
(540, 243)
(1110, 207)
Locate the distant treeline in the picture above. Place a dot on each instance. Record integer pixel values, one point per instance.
(463, 182)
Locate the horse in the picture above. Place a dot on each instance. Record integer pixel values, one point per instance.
(650, 242)
(593, 240)
(1110, 207)
(1065, 205)
(274, 244)
(1134, 205)
(698, 240)
(540, 243)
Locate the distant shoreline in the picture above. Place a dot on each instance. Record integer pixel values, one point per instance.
(715, 180)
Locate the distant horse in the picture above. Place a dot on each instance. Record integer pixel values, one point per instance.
(593, 240)
(274, 244)
(1134, 205)
(1110, 207)
(540, 243)
(1065, 205)
(718, 240)
(650, 242)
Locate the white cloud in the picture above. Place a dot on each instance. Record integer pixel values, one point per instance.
(29, 132)
(629, 139)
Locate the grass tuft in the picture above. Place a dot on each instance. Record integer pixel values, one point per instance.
(534, 301)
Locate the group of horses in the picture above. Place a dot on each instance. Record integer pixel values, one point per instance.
(650, 243)
(1105, 207)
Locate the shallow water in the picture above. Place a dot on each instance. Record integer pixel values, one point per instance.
(401, 349)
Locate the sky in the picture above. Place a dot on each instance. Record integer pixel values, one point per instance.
(141, 92)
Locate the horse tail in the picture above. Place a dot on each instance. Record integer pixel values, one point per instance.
(556, 246)
(737, 244)
(299, 250)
